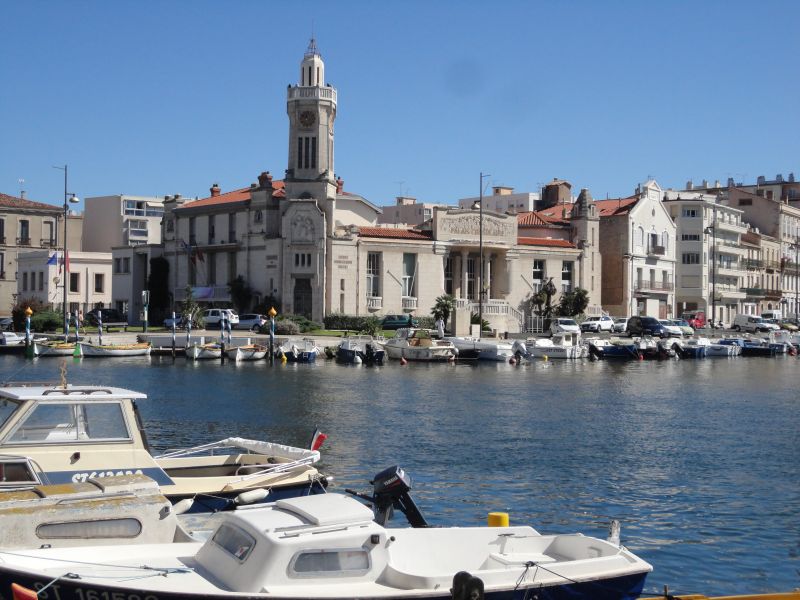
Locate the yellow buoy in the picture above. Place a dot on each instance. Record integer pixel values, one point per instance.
(545, 357)
(498, 519)
(283, 358)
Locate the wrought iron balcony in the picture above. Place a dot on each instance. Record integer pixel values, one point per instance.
(752, 263)
(47, 243)
(753, 292)
(654, 286)
(23, 241)
(656, 250)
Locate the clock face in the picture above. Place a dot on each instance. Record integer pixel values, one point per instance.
(307, 118)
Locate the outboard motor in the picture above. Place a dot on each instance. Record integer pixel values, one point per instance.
(390, 490)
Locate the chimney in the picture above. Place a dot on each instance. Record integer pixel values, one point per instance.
(704, 184)
(215, 190)
(761, 180)
(265, 179)
(779, 177)
(339, 185)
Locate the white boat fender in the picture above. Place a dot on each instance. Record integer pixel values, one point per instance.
(182, 506)
(251, 496)
(357, 360)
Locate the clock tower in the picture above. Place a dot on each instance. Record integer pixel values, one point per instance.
(311, 106)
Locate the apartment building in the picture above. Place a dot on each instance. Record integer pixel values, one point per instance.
(26, 225)
(121, 220)
(407, 211)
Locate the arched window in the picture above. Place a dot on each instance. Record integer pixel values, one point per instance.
(640, 237)
(665, 241)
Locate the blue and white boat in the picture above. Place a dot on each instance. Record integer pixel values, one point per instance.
(300, 351)
(329, 546)
(358, 349)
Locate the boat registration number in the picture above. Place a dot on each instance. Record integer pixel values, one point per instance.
(53, 593)
(83, 477)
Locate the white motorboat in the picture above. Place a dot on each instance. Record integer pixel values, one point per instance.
(713, 349)
(204, 351)
(357, 349)
(565, 344)
(54, 435)
(54, 348)
(329, 546)
(246, 352)
(112, 350)
(300, 351)
(485, 348)
(410, 343)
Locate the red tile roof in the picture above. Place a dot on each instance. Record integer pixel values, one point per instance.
(530, 241)
(7, 201)
(617, 206)
(530, 219)
(390, 232)
(239, 195)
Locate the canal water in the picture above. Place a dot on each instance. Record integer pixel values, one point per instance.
(699, 460)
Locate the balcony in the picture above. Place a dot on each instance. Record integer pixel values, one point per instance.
(409, 303)
(47, 243)
(374, 303)
(23, 241)
(656, 251)
(752, 264)
(659, 287)
(773, 294)
(314, 93)
(753, 292)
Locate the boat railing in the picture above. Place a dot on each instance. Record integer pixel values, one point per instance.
(75, 391)
(268, 469)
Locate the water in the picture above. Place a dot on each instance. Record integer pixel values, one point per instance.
(698, 459)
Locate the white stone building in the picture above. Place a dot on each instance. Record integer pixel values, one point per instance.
(503, 199)
(121, 220)
(407, 211)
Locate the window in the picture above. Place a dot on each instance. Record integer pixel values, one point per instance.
(137, 228)
(170, 225)
(2, 231)
(566, 276)
(126, 264)
(232, 265)
(74, 282)
(258, 217)
(690, 237)
(234, 541)
(325, 562)
(537, 274)
(117, 265)
(231, 228)
(192, 232)
(24, 233)
(212, 268)
(409, 274)
(98, 283)
(90, 529)
(2, 265)
(49, 238)
(690, 212)
(691, 258)
(470, 279)
(59, 423)
(374, 274)
(211, 231)
(24, 282)
(41, 281)
(448, 275)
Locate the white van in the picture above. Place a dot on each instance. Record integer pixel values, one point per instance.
(771, 314)
(752, 324)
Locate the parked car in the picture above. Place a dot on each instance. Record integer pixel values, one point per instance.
(181, 322)
(670, 328)
(6, 324)
(695, 318)
(685, 328)
(109, 315)
(597, 324)
(564, 324)
(212, 317)
(620, 323)
(645, 326)
(789, 325)
(252, 321)
(397, 321)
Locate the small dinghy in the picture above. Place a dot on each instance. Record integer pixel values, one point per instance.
(246, 352)
(54, 348)
(204, 351)
(329, 546)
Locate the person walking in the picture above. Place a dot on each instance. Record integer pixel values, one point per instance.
(440, 327)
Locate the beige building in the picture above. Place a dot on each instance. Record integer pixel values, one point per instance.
(503, 199)
(26, 225)
(762, 282)
(121, 220)
(407, 211)
(130, 272)
(637, 243)
(88, 279)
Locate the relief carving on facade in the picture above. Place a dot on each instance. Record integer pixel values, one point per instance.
(470, 225)
(303, 230)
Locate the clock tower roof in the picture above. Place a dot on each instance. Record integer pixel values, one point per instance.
(312, 69)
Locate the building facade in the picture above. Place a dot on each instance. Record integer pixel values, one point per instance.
(407, 211)
(503, 199)
(24, 226)
(121, 220)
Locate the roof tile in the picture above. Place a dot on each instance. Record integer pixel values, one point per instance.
(390, 232)
(7, 201)
(531, 241)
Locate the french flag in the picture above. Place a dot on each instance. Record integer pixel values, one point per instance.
(317, 439)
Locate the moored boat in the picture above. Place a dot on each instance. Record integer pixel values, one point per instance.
(411, 343)
(54, 348)
(329, 546)
(299, 351)
(565, 344)
(54, 435)
(204, 351)
(246, 352)
(112, 350)
(355, 349)
(484, 348)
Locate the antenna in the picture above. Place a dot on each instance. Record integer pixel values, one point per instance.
(400, 185)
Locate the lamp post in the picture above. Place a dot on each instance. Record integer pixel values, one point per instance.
(629, 257)
(796, 280)
(712, 229)
(481, 291)
(67, 199)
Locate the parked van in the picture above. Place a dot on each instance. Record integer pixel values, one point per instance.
(695, 318)
(752, 324)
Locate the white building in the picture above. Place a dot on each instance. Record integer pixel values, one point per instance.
(121, 220)
(89, 279)
(407, 211)
(503, 199)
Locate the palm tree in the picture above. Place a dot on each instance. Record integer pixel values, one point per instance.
(443, 306)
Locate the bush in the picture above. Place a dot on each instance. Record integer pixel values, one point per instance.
(47, 321)
(426, 322)
(286, 327)
(18, 312)
(348, 322)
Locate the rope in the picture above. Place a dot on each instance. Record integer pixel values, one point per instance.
(164, 571)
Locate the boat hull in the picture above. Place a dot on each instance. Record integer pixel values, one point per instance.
(246, 353)
(53, 349)
(421, 353)
(204, 352)
(626, 587)
(92, 351)
(348, 356)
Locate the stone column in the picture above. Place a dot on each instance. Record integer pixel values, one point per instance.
(464, 278)
(488, 276)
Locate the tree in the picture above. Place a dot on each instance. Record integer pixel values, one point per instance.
(443, 306)
(573, 303)
(241, 294)
(190, 309)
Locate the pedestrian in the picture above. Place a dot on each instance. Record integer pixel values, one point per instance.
(440, 327)
(410, 319)
(80, 319)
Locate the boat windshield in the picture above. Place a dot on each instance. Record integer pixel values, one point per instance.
(67, 422)
(7, 408)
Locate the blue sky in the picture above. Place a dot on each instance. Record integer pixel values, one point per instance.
(155, 98)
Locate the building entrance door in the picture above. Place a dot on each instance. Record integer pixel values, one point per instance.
(303, 297)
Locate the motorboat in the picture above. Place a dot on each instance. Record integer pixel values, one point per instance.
(411, 343)
(54, 348)
(246, 352)
(358, 349)
(564, 344)
(691, 347)
(69, 434)
(299, 351)
(750, 347)
(112, 350)
(204, 351)
(484, 348)
(330, 546)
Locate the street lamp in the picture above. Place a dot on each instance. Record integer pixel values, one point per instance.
(712, 229)
(68, 197)
(629, 257)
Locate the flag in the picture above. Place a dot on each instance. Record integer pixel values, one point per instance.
(19, 592)
(317, 439)
(66, 261)
(53, 260)
(200, 254)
